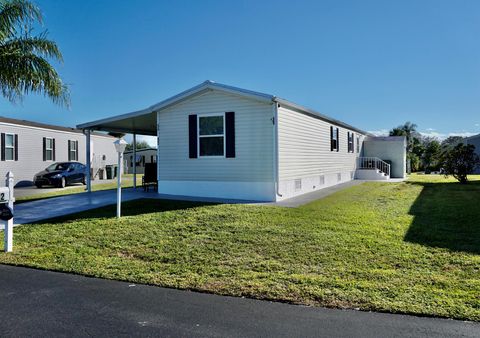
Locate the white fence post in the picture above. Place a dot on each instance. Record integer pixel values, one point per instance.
(8, 225)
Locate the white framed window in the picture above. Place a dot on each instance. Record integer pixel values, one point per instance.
(211, 135)
(49, 149)
(350, 141)
(334, 138)
(73, 150)
(358, 144)
(9, 147)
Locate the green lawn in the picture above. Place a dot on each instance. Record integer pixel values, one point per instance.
(127, 182)
(411, 247)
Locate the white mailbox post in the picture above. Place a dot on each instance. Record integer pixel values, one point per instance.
(6, 198)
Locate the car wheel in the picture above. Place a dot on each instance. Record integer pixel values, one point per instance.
(63, 183)
(84, 180)
(39, 186)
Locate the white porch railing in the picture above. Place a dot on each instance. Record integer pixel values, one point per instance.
(373, 163)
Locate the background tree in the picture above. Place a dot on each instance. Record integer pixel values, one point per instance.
(24, 65)
(140, 145)
(451, 142)
(431, 154)
(460, 161)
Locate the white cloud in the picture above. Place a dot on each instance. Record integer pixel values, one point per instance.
(443, 136)
(463, 134)
(381, 132)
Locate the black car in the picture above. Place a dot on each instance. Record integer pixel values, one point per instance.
(60, 174)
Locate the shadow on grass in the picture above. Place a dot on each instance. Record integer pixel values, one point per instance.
(130, 208)
(447, 215)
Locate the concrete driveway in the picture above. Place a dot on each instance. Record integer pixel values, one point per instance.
(33, 190)
(44, 304)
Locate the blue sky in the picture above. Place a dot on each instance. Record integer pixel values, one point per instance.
(373, 64)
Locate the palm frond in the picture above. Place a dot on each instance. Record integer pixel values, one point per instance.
(38, 45)
(15, 12)
(24, 73)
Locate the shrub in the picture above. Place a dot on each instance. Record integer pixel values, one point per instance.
(460, 161)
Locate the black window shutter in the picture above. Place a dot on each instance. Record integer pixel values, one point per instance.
(44, 148)
(353, 142)
(230, 134)
(3, 146)
(331, 139)
(192, 136)
(348, 141)
(338, 140)
(16, 148)
(76, 151)
(69, 149)
(53, 140)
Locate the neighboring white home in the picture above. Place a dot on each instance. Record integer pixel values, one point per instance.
(145, 155)
(29, 147)
(475, 140)
(221, 141)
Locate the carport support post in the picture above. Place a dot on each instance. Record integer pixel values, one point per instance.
(119, 184)
(88, 161)
(8, 231)
(134, 161)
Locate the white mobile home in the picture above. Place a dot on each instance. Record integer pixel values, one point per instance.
(142, 156)
(475, 140)
(29, 147)
(221, 141)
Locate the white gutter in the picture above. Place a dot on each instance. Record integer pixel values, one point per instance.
(275, 150)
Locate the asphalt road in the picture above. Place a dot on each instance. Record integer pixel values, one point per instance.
(38, 303)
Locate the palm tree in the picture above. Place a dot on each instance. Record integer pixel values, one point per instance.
(24, 65)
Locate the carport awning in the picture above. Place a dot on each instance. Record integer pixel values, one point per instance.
(142, 122)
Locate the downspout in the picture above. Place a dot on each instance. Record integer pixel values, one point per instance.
(275, 150)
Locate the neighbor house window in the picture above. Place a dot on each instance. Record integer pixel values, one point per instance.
(49, 149)
(9, 147)
(211, 135)
(334, 137)
(73, 150)
(358, 144)
(350, 137)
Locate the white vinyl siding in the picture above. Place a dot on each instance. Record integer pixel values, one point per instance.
(30, 149)
(304, 143)
(253, 141)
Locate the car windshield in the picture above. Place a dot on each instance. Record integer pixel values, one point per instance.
(58, 166)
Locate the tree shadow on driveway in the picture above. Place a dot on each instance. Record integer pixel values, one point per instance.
(447, 215)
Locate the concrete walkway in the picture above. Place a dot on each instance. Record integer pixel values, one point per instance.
(34, 211)
(39, 303)
(33, 190)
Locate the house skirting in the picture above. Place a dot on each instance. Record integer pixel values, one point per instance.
(251, 191)
(295, 187)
